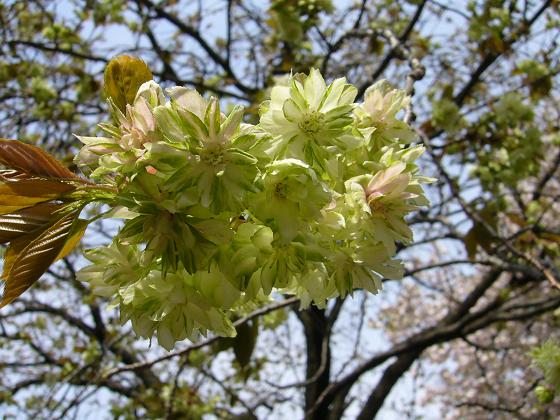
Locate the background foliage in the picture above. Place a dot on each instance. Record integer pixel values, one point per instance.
(481, 289)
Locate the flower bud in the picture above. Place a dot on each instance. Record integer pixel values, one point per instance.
(123, 77)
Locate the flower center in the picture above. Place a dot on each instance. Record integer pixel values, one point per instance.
(312, 123)
(213, 156)
(280, 190)
(379, 207)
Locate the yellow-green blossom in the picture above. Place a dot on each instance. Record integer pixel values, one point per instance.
(377, 116)
(217, 168)
(310, 201)
(307, 119)
(128, 135)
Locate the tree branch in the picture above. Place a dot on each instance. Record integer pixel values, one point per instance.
(197, 36)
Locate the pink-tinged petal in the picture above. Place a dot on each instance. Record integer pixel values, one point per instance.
(383, 177)
(126, 123)
(143, 117)
(373, 196)
(396, 185)
(331, 205)
(100, 149)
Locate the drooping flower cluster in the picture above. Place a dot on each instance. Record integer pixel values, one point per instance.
(310, 201)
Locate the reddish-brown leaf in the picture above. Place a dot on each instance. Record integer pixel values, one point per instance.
(74, 237)
(16, 195)
(25, 221)
(31, 160)
(25, 263)
(7, 175)
(14, 249)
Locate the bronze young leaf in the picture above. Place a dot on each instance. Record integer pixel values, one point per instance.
(28, 257)
(26, 221)
(74, 236)
(32, 160)
(37, 215)
(16, 195)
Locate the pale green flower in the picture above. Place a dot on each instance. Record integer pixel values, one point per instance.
(287, 263)
(362, 266)
(250, 247)
(308, 117)
(176, 238)
(314, 286)
(112, 267)
(383, 202)
(172, 307)
(216, 287)
(259, 263)
(152, 93)
(377, 116)
(221, 214)
(216, 169)
(175, 306)
(128, 135)
(291, 196)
